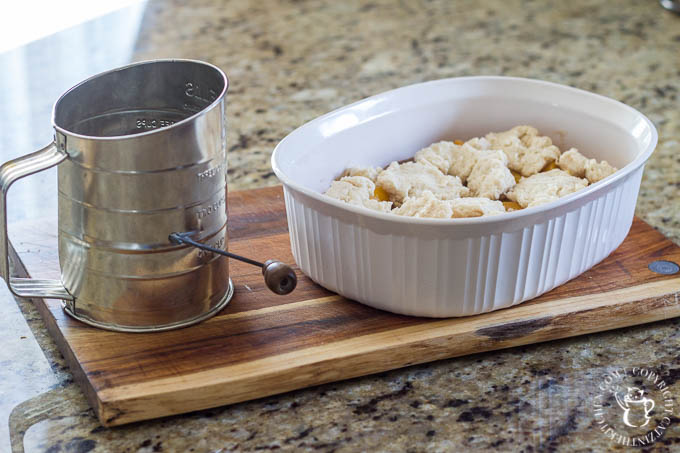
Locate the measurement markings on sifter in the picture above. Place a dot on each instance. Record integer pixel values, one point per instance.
(153, 123)
(209, 210)
(210, 173)
(196, 91)
(218, 244)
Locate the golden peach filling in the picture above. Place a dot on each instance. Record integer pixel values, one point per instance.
(549, 166)
(380, 194)
(511, 206)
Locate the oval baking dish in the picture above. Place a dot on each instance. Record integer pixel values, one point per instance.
(458, 267)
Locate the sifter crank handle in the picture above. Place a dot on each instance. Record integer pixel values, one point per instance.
(279, 277)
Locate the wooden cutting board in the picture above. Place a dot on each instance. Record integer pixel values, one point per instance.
(262, 344)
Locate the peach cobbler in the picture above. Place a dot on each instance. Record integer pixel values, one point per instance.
(490, 175)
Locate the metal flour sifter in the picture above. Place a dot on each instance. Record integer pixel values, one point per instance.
(141, 155)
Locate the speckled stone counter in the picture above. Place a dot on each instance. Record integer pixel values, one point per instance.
(289, 62)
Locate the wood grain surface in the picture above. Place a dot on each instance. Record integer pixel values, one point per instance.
(262, 344)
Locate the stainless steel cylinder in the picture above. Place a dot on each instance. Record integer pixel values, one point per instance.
(144, 150)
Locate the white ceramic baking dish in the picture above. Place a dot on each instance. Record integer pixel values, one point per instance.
(458, 267)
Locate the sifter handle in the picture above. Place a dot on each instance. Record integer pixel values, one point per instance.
(10, 172)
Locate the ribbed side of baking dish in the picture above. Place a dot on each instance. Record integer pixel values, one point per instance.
(441, 277)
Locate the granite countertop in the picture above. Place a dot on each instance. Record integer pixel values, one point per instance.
(289, 62)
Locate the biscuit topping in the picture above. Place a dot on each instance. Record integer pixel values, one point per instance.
(545, 187)
(500, 172)
(527, 151)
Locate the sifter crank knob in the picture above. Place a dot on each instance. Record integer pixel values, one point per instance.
(279, 277)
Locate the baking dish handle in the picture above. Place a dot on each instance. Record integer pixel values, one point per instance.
(11, 171)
